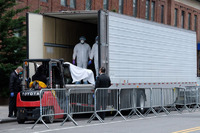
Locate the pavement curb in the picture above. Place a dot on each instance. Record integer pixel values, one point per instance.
(7, 120)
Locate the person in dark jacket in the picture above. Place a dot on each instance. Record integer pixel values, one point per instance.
(103, 81)
(15, 87)
(40, 74)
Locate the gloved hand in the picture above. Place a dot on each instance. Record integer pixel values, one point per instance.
(90, 62)
(12, 94)
(74, 62)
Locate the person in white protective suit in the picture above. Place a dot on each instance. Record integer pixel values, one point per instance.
(81, 54)
(94, 54)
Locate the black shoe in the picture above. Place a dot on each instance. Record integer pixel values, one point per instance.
(11, 116)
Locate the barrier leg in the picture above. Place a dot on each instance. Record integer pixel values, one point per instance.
(40, 119)
(118, 112)
(97, 116)
(151, 110)
(135, 111)
(164, 110)
(69, 116)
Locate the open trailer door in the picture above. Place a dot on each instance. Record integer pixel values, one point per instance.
(34, 36)
(103, 39)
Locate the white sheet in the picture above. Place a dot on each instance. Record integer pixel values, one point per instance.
(79, 74)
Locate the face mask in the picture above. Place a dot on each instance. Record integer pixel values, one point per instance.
(96, 42)
(20, 73)
(82, 41)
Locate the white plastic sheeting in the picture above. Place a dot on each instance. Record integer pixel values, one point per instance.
(79, 74)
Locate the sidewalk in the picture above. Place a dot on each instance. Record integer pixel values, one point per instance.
(4, 115)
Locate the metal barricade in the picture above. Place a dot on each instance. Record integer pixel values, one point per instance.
(191, 96)
(53, 105)
(127, 101)
(198, 98)
(168, 99)
(81, 100)
(138, 102)
(185, 98)
(105, 99)
(152, 101)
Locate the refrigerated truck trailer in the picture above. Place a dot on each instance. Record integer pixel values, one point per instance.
(136, 53)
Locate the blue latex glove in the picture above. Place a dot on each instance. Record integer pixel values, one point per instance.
(12, 94)
(90, 62)
(74, 62)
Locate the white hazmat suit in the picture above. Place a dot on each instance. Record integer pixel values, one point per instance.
(81, 54)
(94, 54)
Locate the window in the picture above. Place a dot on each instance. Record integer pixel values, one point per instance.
(147, 10)
(105, 4)
(88, 5)
(121, 4)
(189, 19)
(195, 22)
(72, 3)
(175, 17)
(162, 14)
(135, 8)
(182, 19)
(63, 2)
(44, 0)
(152, 10)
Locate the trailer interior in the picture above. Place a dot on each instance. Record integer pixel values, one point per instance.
(62, 30)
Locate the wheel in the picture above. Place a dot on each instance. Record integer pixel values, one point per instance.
(20, 121)
(141, 103)
(49, 119)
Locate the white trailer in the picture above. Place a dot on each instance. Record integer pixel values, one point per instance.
(136, 53)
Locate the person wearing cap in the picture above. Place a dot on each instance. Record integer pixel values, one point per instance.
(94, 54)
(81, 54)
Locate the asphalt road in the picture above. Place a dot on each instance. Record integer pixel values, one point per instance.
(173, 123)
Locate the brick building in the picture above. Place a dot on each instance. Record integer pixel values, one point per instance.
(179, 13)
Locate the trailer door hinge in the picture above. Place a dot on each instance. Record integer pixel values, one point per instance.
(105, 44)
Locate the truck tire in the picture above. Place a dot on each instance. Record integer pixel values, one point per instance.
(141, 102)
(50, 118)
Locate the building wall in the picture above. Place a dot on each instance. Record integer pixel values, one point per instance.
(188, 6)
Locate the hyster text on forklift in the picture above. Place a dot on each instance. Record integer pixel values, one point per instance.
(136, 53)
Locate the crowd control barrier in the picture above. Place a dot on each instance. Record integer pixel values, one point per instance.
(105, 99)
(63, 103)
(53, 105)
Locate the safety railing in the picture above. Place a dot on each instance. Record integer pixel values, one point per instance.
(185, 98)
(127, 98)
(53, 105)
(63, 103)
(105, 99)
(168, 100)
